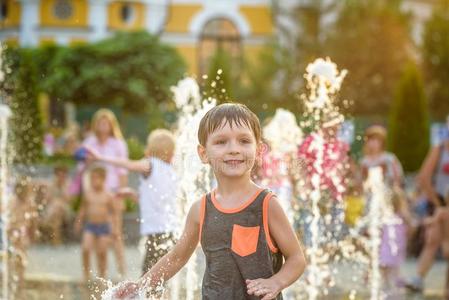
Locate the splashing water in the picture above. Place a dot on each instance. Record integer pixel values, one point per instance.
(284, 136)
(194, 175)
(5, 113)
(375, 185)
(323, 171)
(195, 179)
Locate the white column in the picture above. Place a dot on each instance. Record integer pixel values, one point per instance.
(98, 19)
(155, 15)
(29, 23)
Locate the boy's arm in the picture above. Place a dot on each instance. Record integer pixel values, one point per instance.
(80, 217)
(140, 166)
(287, 242)
(173, 261)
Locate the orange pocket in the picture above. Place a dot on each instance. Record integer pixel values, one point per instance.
(244, 239)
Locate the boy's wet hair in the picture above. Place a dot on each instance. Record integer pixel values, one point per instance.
(98, 170)
(235, 114)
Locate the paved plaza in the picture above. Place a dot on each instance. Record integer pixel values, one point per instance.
(55, 273)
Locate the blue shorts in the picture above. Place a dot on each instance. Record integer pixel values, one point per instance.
(98, 229)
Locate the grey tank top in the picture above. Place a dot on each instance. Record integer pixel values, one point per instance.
(237, 247)
(442, 172)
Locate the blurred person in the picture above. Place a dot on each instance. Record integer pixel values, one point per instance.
(108, 140)
(21, 227)
(58, 204)
(393, 244)
(95, 218)
(375, 155)
(354, 199)
(433, 178)
(274, 174)
(157, 193)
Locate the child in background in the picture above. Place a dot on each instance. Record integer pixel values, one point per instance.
(157, 193)
(58, 207)
(21, 227)
(96, 215)
(393, 243)
(242, 228)
(354, 199)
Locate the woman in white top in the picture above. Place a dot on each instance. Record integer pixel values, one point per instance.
(157, 193)
(375, 155)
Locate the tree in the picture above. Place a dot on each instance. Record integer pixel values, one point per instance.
(409, 120)
(20, 88)
(133, 71)
(436, 59)
(219, 78)
(370, 39)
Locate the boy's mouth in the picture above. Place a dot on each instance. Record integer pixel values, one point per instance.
(234, 162)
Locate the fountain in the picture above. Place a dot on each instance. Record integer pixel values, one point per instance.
(5, 113)
(320, 184)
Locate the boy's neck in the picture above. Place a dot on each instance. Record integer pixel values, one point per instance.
(237, 185)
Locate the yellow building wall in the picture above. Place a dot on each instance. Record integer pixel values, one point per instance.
(190, 55)
(259, 18)
(115, 21)
(180, 16)
(45, 41)
(77, 41)
(13, 17)
(77, 19)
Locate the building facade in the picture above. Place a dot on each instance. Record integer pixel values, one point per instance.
(194, 27)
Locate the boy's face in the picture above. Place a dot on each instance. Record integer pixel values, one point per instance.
(231, 152)
(97, 181)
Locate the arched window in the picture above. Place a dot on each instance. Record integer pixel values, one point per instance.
(3, 11)
(127, 13)
(221, 34)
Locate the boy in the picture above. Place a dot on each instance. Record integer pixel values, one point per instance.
(21, 228)
(57, 209)
(157, 193)
(96, 214)
(243, 230)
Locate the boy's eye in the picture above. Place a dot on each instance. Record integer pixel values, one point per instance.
(220, 142)
(245, 141)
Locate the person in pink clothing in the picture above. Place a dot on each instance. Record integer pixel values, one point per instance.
(107, 140)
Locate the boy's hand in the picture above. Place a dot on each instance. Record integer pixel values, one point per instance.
(268, 288)
(125, 290)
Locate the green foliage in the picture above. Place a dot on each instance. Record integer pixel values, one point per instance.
(436, 59)
(261, 90)
(409, 120)
(219, 78)
(130, 71)
(371, 40)
(20, 89)
(135, 148)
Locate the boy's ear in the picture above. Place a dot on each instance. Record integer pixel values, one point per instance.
(202, 154)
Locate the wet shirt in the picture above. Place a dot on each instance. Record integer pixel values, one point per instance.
(237, 246)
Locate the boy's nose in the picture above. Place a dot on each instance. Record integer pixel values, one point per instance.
(233, 148)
